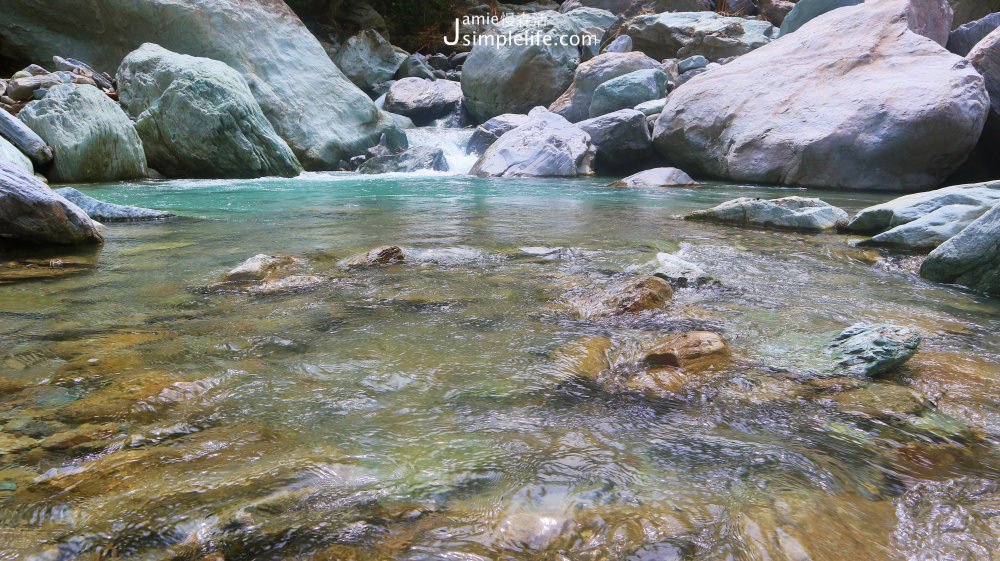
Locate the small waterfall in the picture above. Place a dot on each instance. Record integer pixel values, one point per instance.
(451, 141)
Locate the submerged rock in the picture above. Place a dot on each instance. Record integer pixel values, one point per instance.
(796, 213)
(545, 146)
(585, 358)
(574, 103)
(682, 351)
(657, 177)
(866, 350)
(621, 138)
(198, 118)
(680, 273)
(514, 78)
(272, 274)
(487, 133)
(971, 258)
(413, 159)
(684, 34)
(383, 255)
(92, 138)
(108, 212)
(31, 212)
(846, 105)
(629, 297)
(422, 100)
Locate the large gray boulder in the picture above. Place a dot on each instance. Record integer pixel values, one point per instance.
(367, 59)
(31, 212)
(513, 78)
(657, 177)
(972, 258)
(858, 99)
(414, 159)
(592, 18)
(926, 220)
(792, 213)
(109, 212)
(546, 146)
(10, 154)
(807, 10)
(621, 138)
(628, 91)
(684, 34)
(92, 139)
(423, 100)
(963, 38)
(313, 106)
(574, 103)
(198, 118)
(487, 133)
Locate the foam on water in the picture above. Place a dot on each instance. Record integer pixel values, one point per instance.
(451, 141)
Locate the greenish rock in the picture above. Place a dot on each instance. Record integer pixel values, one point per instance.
(513, 78)
(92, 139)
(322, 116)
(866, 350)
(591, 18)
(807, 10)
(651, 107)
(574, 103)
(198, 118)
(972, 258)
(625, 92)
(692, 63)
(108, 212)
(10, 154)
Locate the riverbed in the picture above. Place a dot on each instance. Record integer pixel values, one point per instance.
(415, 411)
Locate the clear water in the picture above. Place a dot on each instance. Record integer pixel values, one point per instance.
(415, 412)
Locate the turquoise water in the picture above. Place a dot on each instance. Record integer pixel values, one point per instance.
(416, 411)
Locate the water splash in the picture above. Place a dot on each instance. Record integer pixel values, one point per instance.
(451, 141)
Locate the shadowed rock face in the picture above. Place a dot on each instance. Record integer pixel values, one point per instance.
(312, 105)
(972, 258)
(860, 98)
(31, 212)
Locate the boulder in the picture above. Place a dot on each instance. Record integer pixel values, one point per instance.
(774, 11)
(592, 18)
(684, 34)
(31, 212)
(684, 350)
(971, 258)
(985, 58)
(312, 105)
(964, 37)
(621, 138)
(547, 145)
(865, 350)
(807, 10)
(380, 256)
(633, 296)
(657, 177)
(500, 78)
(92, 138)
(681, 273)
(586, 358)
(656, 6)
(926, 220)
(574, 103)
(10, 154)
(794, 213)
(622, 44)
(651, 107)
(414, 66)
(422, 100)
(198, 118)
(109, 212)
(847, 103)
(970, 10)
(625, 92)
(414, 159)
(24, 139)
(487, 133)
(264, 275)
(367, 59)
